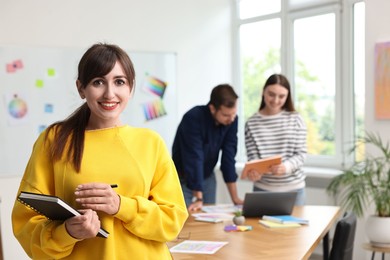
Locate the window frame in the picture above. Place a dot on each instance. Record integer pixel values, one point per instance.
(344, 64)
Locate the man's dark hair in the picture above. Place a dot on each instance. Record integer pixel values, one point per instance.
(223, 95)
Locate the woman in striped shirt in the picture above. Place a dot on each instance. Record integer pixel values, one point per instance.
(277, 129)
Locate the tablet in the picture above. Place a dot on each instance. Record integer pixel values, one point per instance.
(259, 203)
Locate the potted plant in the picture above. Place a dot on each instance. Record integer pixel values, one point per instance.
(238, 218)
(367, 183)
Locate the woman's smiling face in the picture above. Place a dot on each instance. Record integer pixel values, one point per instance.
(107, 97)
(275, 97)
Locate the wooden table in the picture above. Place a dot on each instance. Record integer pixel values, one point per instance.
(261, 242)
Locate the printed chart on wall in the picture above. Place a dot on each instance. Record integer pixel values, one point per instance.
(37, 88)
(382, 80)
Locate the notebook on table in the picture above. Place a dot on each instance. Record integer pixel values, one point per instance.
(259, 203)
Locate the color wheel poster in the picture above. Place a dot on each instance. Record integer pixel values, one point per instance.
(17, 108)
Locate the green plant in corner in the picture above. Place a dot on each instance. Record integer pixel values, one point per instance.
(367, 181)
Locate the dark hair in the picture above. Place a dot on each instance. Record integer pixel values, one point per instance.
(97, 61)
(223, 95)
(283, 81)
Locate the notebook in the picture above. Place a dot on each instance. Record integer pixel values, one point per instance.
(259, 203)
(52, 207)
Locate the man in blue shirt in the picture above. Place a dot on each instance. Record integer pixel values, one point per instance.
(203, 132)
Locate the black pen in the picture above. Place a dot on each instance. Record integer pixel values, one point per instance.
(114, 185)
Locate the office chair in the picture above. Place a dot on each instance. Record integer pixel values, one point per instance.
(343, 239)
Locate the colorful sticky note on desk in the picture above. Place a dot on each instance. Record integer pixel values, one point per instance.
(271, 224)
(230, 228)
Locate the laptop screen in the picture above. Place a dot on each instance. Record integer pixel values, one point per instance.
(259, 203)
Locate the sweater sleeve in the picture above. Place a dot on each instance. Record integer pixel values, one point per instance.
(39, 237)
(296, 161)
(161, 215)
(252, 150)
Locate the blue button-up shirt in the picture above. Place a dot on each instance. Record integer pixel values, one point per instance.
(197, 145)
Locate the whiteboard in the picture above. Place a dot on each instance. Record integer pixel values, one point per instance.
(37, 88)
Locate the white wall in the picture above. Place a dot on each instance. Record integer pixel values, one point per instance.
(377, 30)
(198, 31)
(11, 248)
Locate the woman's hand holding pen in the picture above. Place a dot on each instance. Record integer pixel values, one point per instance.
(98, 197)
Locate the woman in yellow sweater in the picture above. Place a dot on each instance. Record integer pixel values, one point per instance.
(78, 158)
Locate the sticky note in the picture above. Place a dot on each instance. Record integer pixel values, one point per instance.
(48, 108)
(39, 83)
(51, 72)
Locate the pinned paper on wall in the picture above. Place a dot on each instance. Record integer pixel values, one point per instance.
(14, 66)
(154, 85)
(382, 80)
(17, 108)
(39, 83)
(41, 128)
(51, 72)
(49, 108)
(153, 109)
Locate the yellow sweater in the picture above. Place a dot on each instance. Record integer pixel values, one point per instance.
(152, 209)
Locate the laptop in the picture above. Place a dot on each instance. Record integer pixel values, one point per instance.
(259, 203)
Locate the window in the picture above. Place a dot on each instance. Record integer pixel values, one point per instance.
(260, 57)
(253, 8)
(315, 80)
(309, 41)
(359, 70)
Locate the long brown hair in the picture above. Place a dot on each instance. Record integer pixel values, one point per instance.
(283, 81)
(97, 61)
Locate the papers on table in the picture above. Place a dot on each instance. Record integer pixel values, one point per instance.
(216, 213)
(198, 247)
(212, 217)
(222, 208)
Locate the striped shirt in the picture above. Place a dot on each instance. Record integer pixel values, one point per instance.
(284, 134)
